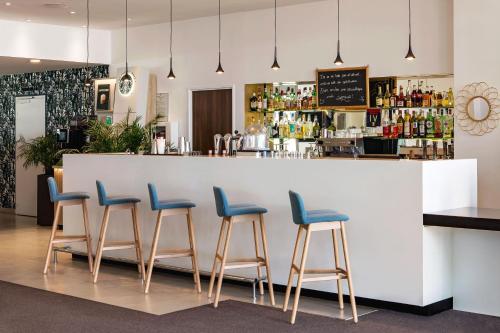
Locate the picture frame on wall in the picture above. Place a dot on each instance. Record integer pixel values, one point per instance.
(103, 93)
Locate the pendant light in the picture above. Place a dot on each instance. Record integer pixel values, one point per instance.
(275, 65)
(126, 83)
(219, 68)
(171, 75)
(409, 56)
(338, 60)
(88, 78)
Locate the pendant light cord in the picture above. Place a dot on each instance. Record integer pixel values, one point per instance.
(275, 29)
(88, 33)
(126, 37)
(171, 29)
(219, 31)
(338, 25)
(409, 16)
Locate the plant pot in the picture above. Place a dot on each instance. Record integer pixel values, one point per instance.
(44, 207)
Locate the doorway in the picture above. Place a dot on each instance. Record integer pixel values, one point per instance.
(212, 113)
(30, 124)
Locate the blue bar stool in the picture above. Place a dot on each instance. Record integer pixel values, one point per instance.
(113, 203)
(166, 208)
(318, 220)
(232, 214)
(63, 200)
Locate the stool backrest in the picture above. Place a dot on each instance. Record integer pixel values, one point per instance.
(153, 197)
(221, 202)
(54, 193)
(101, 193)
(298, 209)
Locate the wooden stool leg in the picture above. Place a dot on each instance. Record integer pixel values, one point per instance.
(266, 258)
(257, 255)
(152, 255)
(52, 235)
(348, 270)
(214, 267)
(87, 234)
(301, 275)
(100, 246)
(292, 270)
(194, 254)
(223, 263)
(337, 266)
(138, 244)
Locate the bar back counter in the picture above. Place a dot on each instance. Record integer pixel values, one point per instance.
(396, 261)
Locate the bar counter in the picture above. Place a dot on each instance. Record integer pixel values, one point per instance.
(394, 258)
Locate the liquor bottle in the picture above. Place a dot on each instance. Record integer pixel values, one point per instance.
(394, 125)
(270, 101)
(380, 98)
(407, 125)
(310, 98)
(298, 104)
(439, 100)
(316, 128)
(277, 99)
(387, 97)
(305, 127)
(438, 125)
(450, 123)
(408, 102)
(259, 100)
(401, 124)
(305, 100)
(386, 125)
(253, 102)
(282, 100)
(291, 128)
(281, 130)
(429, 125)
(426, 98)
(401, 98)
(420, 94)
(451, 98)
(445, 123)
(332, 128)
(314, 98)
(445, 100)
(298, 127)
(414, 97)
(414, 125)
(422, 125)
(293, 99)
(394, 98)
(265, 100)
(433, 97)
(276, 129)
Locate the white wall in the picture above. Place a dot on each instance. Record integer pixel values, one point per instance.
(52, 42)
(476, 266)
(373, 33)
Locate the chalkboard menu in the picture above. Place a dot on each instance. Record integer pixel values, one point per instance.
(343, 88)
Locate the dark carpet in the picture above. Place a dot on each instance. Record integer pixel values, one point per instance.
(24, 309)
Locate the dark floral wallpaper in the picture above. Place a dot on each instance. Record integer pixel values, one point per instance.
(65, 99)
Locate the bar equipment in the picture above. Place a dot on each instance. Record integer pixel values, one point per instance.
(339, 147)
(233, 143)
(181, 147)
(255, 138)
(218, 141)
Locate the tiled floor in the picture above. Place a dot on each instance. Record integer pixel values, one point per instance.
(22, 250)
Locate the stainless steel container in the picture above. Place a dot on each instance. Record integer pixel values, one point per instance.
(255, 138)
(218, 140)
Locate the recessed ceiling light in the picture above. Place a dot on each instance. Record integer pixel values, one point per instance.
(129, 19)
(8, 4)
(72, 12)
(28, 20)
(84, 26)
(35, 61)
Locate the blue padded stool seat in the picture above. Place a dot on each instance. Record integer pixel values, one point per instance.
(303, 216)
(157, 204)
(55, 196)
(105, 200)
(224, 209)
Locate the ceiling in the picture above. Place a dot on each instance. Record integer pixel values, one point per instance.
(109, 14)
(10, 65)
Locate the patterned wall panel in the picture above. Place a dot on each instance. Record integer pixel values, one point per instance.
(65, 99)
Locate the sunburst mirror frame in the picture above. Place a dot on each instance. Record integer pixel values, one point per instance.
(483, 125)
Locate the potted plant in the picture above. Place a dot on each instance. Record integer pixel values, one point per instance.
(42, 151)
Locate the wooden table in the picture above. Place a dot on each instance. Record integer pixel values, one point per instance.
(465, 218)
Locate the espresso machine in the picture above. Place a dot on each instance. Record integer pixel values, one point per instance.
(340, 147)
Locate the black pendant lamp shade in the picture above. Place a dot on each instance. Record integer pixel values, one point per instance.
(409, 56)
(171, 74)
(219, 70)
(275, 65)
(338, 60)
(88, 76)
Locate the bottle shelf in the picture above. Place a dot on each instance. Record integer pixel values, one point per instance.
(300, 111)
(428, 139)
(419, 108)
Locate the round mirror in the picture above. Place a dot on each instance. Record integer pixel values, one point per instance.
(478, 108)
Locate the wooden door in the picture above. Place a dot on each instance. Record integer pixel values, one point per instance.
(212, 114)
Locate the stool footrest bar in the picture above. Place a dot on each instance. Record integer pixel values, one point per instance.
(69, 239)
(173, 253)
(119, 245)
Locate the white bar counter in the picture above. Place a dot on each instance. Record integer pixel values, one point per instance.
(394, 257)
